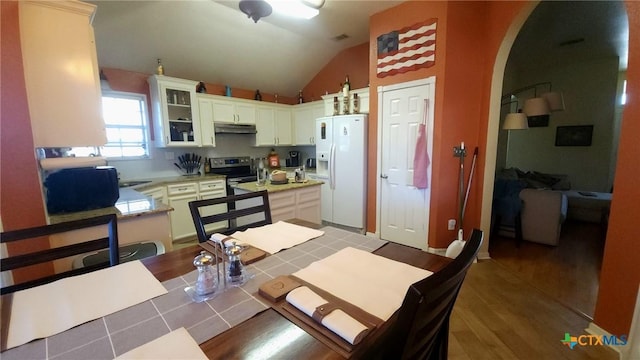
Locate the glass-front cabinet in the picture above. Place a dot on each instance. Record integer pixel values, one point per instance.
(175, 111)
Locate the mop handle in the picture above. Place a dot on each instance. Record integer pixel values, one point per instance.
(473, 166)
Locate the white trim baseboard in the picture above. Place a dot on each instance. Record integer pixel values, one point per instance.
(437, 251)
(594, 329)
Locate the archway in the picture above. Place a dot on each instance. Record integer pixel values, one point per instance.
(493, 123)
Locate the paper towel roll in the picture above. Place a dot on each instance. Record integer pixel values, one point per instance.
(72, 162)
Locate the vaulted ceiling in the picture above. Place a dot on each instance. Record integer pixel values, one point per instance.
(213, 41)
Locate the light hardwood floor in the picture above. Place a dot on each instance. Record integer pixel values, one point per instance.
(498, 315)
(569, 272)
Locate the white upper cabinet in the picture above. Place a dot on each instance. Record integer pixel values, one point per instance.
(205, 106)
(175, 111)
(273, 125)
(233, 111)
(284, 126)
(61, 73)
(305, 116)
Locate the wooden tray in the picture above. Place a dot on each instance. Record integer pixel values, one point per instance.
(319, 331)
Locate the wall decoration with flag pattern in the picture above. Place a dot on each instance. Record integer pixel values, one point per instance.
(407, 49)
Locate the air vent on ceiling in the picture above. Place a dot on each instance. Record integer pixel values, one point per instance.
(340, 37)
(571, 42)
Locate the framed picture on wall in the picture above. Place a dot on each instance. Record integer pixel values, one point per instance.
(574, 135)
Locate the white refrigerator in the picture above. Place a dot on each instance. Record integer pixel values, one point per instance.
(341, 162)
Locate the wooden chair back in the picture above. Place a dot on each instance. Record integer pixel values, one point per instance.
(422, 329)
(252, 209)
(19, 261)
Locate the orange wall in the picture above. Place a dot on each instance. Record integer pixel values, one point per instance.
(460, 92)
(619, 277)
(21, 202)
(353, 61)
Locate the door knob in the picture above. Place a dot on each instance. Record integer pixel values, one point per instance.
(383, 176)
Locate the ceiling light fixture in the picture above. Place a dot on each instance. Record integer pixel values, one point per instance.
(305, 9)
(255, 9)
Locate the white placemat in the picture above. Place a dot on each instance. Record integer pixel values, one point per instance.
(55, 307)
(178, 345)
(275, 237)
(373, 283)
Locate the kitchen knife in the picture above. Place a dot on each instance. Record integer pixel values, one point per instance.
(178, 166)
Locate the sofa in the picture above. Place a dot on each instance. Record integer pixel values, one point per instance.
(530, 204)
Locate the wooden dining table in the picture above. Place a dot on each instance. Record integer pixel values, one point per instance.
(270, 330)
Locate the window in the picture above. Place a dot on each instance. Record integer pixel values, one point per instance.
(125, 119)
(623, 98)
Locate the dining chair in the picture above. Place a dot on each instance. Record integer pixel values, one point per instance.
(42, 256)
(233, 213)
(422, 328)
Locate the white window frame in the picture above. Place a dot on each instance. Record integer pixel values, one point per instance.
(145, 123)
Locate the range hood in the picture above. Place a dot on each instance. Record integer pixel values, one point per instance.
(224, 128)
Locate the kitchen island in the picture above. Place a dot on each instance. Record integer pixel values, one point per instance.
(140, 219)
(289, 201)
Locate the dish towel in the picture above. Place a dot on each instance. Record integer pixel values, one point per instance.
(341, 323)
(421, 158)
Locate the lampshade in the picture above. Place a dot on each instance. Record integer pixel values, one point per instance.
(515, 121)
(536, 106)
(255, 9)
(555, 101)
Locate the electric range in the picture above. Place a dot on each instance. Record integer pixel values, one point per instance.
(237, 170)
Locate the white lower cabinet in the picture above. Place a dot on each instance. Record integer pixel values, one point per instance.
(283, 205)
(181, 194)
(308, 204)
(179, 197)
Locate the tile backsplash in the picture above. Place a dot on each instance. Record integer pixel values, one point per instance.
(160, 165)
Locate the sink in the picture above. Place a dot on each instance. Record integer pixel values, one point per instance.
(132, 183)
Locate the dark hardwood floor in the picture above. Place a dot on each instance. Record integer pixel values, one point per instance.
(568, 272)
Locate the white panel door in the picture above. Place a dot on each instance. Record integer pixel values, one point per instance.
(404, 209)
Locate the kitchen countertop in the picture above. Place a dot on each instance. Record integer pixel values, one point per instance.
(253, 186)
(153, 182)
(130, 204)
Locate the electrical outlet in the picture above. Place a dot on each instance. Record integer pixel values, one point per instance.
(451, 224)
(169, 155)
